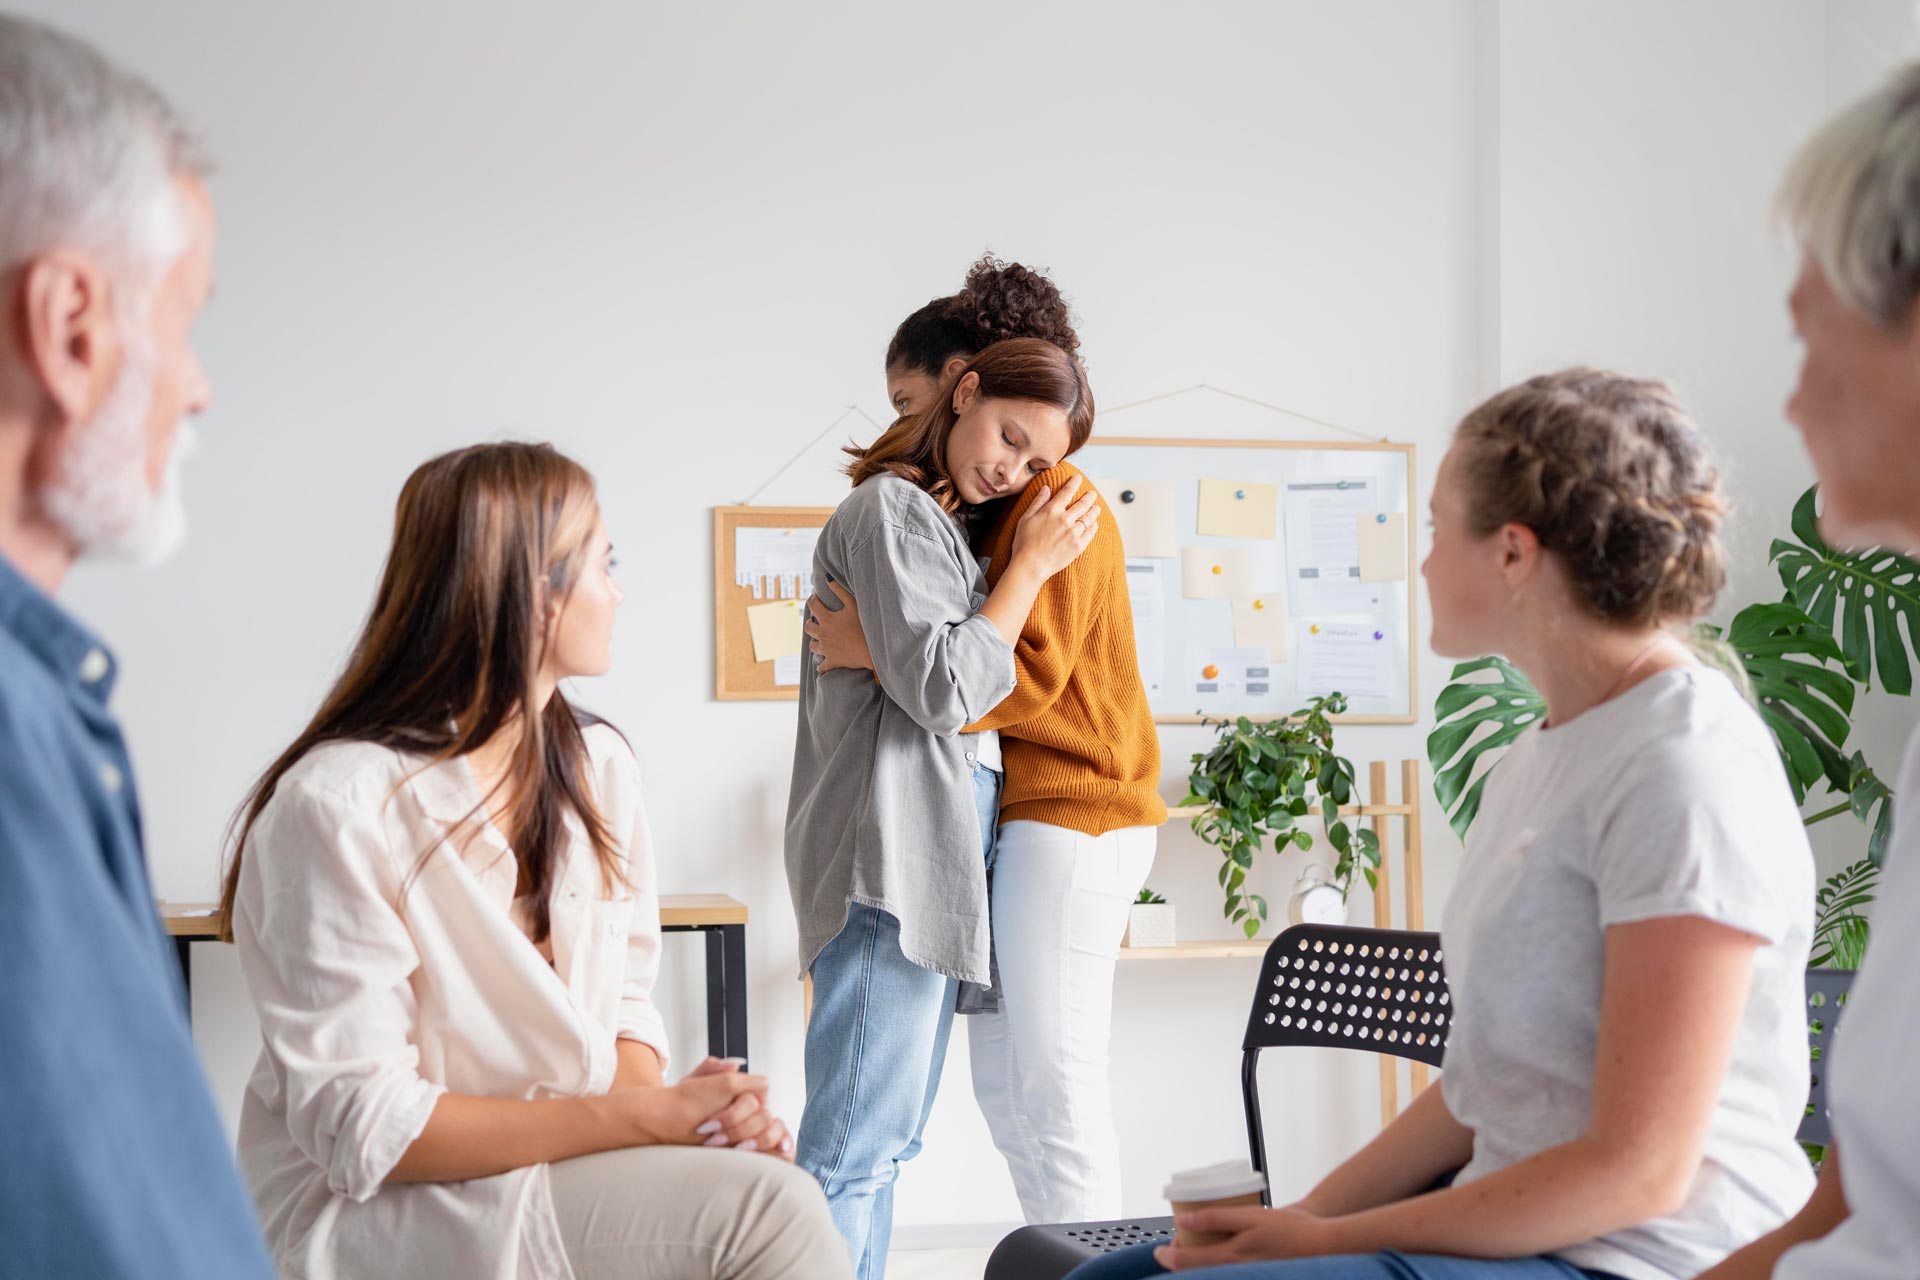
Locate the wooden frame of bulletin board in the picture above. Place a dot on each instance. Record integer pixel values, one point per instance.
(736, 675)
(1181, 468)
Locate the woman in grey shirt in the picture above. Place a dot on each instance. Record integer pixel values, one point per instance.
(891, 806)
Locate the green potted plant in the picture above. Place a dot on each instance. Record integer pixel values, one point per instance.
(1262, 780)
(1807, 657)
(1149, 921)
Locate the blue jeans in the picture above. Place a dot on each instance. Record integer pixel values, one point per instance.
(875, 1045)
(1137, 1262)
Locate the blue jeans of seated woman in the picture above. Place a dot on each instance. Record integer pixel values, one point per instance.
(1137, 1262)
(875, 1045)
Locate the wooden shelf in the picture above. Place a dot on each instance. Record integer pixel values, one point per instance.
(1181, 814)
(677, 910)
(1203, 949)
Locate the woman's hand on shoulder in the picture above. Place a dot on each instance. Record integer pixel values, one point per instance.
(1051, 534)
(836, 637)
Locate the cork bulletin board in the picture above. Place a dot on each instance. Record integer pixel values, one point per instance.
(738, 674)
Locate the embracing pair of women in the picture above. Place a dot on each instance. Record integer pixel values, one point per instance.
(975, 785)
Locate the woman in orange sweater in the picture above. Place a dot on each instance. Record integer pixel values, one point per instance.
(1079, 813)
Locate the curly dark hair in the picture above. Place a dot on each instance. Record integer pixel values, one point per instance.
(1000, 300)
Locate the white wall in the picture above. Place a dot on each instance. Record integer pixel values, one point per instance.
(675, 240)
(1640, 147)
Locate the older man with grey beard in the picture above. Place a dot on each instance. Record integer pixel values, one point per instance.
(113, 1162)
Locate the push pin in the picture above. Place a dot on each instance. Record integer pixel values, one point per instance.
(1259, 604)
(1315, 628)
(1379, 635)
(1341, 485)
(1126, 495)
(1218, 570)
(1381, 518)
(1210, 672)
(1239, 493)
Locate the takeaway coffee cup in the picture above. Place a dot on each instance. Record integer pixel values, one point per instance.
(1232, 1185)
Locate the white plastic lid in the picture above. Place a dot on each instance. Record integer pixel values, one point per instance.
(1215, 1182)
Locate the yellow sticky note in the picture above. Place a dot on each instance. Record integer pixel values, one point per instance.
(1143, 512)
(776, 629)
(1238, 509)
(1383, 546)
(1261, 621)
(1213, 573)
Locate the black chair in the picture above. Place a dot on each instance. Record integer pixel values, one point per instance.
(1826, 997)
(1331, 986)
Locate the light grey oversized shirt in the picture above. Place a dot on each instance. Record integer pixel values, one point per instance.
(881, 810)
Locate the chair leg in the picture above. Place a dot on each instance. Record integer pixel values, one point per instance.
(1250, 1100)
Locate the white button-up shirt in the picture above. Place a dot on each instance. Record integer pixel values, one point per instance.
(375, 926)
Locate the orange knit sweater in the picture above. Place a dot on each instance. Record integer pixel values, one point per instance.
(1079, 742)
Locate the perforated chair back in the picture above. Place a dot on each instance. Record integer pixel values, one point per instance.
(1341, 987)
(1346, 988)
(1826, 996)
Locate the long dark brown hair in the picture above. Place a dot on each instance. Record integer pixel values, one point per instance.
(915, 448)
(485, 541)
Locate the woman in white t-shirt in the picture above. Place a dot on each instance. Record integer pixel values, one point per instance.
(1624, 945)
(1852, 198)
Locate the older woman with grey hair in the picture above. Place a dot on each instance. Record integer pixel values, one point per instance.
(1852, 201)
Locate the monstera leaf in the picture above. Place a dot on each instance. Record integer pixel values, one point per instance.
(1806, 703)
(1507, 702)
(1865, 794)
(1869, 592)
(1839, 930)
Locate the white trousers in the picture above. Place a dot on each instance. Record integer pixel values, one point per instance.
(1060, 903)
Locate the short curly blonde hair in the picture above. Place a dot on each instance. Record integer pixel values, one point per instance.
(1851, 197)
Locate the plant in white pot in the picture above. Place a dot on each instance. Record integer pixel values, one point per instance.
(1266, 780)
(1149, 921)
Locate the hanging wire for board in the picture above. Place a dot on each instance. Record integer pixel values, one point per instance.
(845, 413)
(1235, 395)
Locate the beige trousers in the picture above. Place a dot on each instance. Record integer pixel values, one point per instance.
(693, 1213)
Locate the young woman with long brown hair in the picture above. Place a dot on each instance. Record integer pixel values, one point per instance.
(890, 818)
(443, 897)
(1080, 813)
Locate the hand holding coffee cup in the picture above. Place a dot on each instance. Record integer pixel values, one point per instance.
(1234, 1184)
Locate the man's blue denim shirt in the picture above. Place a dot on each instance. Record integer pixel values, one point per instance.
(113, 1162)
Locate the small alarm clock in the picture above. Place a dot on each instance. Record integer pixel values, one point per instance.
(1316, 898)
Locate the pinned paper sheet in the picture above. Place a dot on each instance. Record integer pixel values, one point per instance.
(1234, 509)
(1213, 573)
(1354, 658)
(786, 672)
(1262, 621)
(1216, 669)
(1383, 546)
(1147, 592)
(776, 563)
(1143, 512)
(1323, 555)
(776, 630)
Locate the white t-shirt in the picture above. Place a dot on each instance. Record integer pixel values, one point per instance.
(1668, 800)
(1876, 1061)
